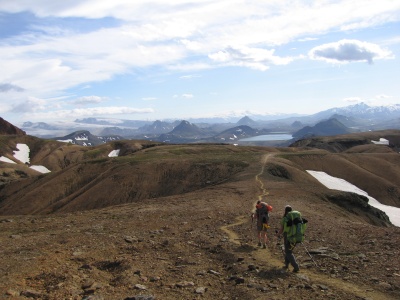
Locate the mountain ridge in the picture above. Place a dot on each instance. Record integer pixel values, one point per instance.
(359, 117)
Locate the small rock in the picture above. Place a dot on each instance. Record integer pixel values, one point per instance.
(31, 294)
(183, 284)
(87, 283)
(201, 273)
(85, 267)
(303, 277)
(273, 286)
(200, 290)
(322, 287)
(214, 272)
(140, 287)
(141, 297)
(385, 285)
(239, 280)
(93, 297)
(15, 236)
(130, 239)
(6, 221)
(155, 278)
(12, 293)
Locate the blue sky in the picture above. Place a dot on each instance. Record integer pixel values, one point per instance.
(182, 59)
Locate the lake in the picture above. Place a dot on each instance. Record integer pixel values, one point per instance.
(268, 137)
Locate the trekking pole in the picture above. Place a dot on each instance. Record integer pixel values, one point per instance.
(251, 228)
(279, 245)
(310, 255)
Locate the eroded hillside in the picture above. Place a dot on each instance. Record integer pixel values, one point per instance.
(188, 233)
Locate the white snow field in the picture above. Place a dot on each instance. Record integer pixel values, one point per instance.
(22, 154)
(113, 153)
(339, 184)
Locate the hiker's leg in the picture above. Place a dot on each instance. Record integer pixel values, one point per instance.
(289, 257)
(286, 246)
(264, 233)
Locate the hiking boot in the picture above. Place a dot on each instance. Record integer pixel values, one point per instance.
(259, 244)
(296, 270)
(264, 246)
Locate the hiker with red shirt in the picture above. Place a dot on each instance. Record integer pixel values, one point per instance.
(261, 214)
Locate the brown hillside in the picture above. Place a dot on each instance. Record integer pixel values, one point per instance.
(8, 128)
(340, 143)
(199, 243)
(173, 222)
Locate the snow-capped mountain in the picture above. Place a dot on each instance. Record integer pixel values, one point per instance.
(85, 138)
(364, 111)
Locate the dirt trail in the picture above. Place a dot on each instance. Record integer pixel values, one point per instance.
(273, 256)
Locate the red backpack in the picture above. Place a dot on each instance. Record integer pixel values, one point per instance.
(262, 212)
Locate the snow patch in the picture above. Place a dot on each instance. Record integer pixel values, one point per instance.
(339, 184)
(40, 169)
(22, 154)
(381, 141)
(82, 138)
(66, 141)
(7, 160)
(114, 153)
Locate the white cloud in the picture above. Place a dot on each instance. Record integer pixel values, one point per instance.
(352, 99)
(187, 96)
(7, 87)
(183, 96)
(95, 111)
(189, 76)
(254, 58)
(307, 39)
(30, 105)
(89, 100)
(345, 51)
(383, 97)
(149, 98)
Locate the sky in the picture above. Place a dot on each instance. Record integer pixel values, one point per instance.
(182, 59)
(339, 184)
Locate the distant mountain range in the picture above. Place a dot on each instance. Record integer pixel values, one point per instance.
(354, 118)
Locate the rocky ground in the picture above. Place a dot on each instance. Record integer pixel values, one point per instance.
(199, 245)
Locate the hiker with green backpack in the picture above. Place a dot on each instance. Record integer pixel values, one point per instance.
(292, 227)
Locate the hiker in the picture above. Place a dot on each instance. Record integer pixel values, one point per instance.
(289, 257)
(261, 214)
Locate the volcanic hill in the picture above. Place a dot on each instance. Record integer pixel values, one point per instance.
(162, 221)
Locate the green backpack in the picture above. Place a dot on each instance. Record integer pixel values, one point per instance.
(295, 227)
